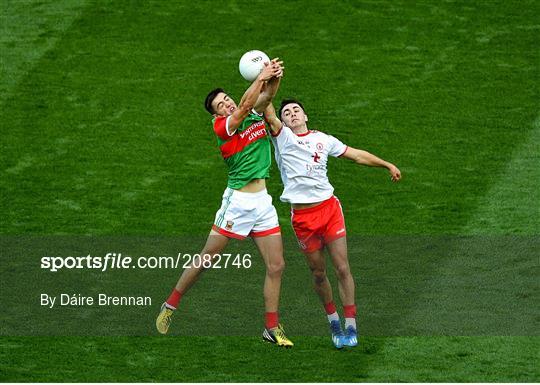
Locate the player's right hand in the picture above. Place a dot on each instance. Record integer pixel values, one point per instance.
(278, 64)
(271, 69)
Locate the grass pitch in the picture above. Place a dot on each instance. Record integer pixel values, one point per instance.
(104, 133)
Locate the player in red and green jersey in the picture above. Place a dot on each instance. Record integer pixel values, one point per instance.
(246, 208)
(247, 152)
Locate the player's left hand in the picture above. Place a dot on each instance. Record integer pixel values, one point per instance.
(394, 173)
(278, 66)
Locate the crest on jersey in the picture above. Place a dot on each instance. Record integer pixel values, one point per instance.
(320, 146)
(229, 225)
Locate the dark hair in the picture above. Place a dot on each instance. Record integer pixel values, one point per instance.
(284, 102)
(210, 98)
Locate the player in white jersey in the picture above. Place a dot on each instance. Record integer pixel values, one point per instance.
(317, 217)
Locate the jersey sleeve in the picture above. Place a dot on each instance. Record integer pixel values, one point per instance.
(220, 127)
(282, 137)
(336, 147)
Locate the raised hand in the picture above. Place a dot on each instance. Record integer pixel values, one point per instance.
(277, 64)
(271, 69)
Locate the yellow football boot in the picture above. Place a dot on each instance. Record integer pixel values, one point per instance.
(277, 336)
(164, 319)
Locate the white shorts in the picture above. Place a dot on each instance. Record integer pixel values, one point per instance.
(245, 214)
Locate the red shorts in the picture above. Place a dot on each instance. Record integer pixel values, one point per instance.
(318, 225)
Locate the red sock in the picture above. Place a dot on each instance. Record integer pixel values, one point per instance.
(272, 319)
(174, 298)
(330, 308)
(349, 310)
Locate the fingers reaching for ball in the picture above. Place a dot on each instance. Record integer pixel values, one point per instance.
(278, 66)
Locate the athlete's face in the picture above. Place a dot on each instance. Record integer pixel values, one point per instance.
(293, 116)
(223, 104)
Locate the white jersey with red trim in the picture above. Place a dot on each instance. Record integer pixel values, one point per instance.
(302, 161)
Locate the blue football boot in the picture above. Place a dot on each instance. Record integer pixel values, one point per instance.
(338, 338)
(351, 337)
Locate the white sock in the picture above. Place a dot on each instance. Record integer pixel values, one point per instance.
(333, 317)
(350, 322)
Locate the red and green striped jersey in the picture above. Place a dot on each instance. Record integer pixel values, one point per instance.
(246, 152)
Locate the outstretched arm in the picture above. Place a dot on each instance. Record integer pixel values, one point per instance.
(272, 119)
(247, 103)
(367, 159)
(271, 88)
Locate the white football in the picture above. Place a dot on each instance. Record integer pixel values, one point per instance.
(251, 64)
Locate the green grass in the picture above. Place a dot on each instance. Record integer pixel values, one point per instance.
(104, 134)
(246, 359)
